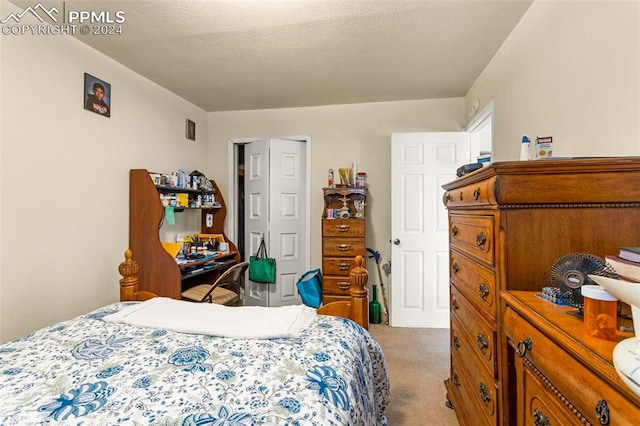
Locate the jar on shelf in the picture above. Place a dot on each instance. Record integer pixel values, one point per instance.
(361, 179)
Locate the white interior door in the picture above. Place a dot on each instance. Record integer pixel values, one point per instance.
(275, 207)
(420, 164)
(256, 216)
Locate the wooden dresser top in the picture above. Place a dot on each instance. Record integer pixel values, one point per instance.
(554, 181)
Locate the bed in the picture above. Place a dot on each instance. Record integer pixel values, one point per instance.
(97, 370)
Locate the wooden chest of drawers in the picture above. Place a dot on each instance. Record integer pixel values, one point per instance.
(342, 240)
(508, 223)
(561, 375)
(473, 314)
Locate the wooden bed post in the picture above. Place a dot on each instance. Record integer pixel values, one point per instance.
(129, 282)
(357, 308)
(359, 294)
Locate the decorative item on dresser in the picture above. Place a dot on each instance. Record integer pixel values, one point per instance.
(509, 222)
(343, 237)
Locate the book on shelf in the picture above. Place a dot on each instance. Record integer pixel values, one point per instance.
(627, 270)
(630, 253)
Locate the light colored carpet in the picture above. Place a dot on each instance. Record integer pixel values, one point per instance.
(418, 363)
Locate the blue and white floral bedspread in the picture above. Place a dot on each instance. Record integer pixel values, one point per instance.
(89, 372)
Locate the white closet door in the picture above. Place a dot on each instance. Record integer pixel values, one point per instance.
(275, 209)
(287, 218)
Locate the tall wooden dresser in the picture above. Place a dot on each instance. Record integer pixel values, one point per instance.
(509, 222)
(343, 238)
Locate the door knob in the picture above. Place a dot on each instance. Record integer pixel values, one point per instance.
(396, 242)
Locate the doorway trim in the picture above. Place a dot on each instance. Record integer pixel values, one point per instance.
(487, 111)
(232, 203)
(477, 130)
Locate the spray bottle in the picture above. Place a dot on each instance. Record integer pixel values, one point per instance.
(525, 149)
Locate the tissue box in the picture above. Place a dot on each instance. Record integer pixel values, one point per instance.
(543, 147)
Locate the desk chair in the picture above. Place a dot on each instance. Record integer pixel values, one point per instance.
(214, 293)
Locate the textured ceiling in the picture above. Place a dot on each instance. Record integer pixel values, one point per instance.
(243, 54)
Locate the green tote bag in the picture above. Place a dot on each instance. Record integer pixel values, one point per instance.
(262, 268)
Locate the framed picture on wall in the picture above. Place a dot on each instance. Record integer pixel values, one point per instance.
(191, 130)
(97, 95)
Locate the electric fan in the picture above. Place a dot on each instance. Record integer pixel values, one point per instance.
(570, 272)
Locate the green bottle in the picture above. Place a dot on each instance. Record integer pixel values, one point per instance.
(375, 316)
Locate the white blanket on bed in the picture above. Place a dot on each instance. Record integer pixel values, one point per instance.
(249, 322)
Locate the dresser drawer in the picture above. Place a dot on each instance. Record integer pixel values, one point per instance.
(460, 391)
(476, 194)
(336, 285)
(479, 386)
(343, 247)
(480, 337)
(337, 265)
(538, 405)
(473, 235)
(575, 385)
(343, 227)
(476, 282)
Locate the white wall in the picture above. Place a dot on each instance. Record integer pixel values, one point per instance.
(571, 70)
(340, 134)
(65, 174)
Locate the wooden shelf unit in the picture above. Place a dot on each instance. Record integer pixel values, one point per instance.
(159, 272)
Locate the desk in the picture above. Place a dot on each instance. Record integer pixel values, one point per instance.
(159, 272)
(207, 269)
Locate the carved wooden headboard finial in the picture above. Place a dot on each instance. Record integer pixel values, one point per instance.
(359, 276)
(129, 282)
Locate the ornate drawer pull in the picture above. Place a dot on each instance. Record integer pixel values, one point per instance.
(523, 346)
(448, 197)
(483, 291)
(460, 195)
(454, 305)
(540, 419)
(456, 380)
(476, 194)
(343, 285)
(602, 410)
(343, 266)
(484, 393)
(343, 247)
(455, 268)
(454, 231)
(343, 228)
(481, 239)
(456, 342)
(482, 342)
